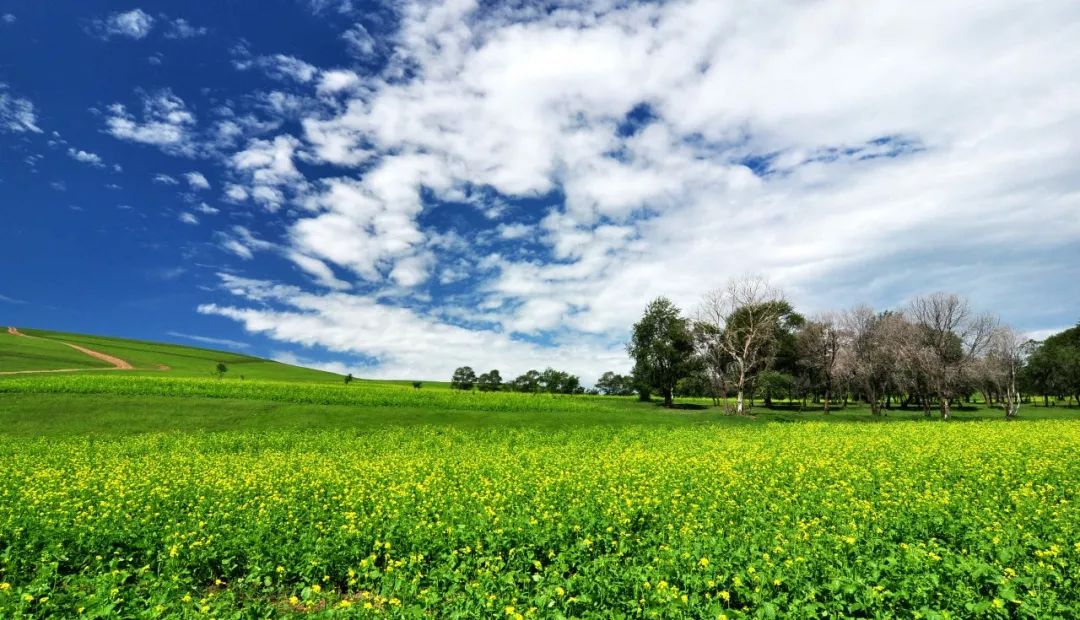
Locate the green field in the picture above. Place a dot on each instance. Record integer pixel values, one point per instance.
(172, 494)
(18, 353)
(148, 358)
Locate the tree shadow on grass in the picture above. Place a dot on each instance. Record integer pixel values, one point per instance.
(688, 406)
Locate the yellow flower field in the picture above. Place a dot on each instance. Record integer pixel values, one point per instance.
(805, 520)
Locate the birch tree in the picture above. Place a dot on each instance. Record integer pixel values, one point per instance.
(740, 324)
(1004, 361)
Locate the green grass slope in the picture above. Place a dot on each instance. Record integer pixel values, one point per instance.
(20, 353)
(149, 358)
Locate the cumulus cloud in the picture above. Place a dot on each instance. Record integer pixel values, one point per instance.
(17, 114)
(338, 80)
(166, 123)
(197, 181)
(86, 157)
(853, 154)
(268, 168)
(134, 24)
(188, 218)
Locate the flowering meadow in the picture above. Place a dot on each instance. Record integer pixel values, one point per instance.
(805, 520)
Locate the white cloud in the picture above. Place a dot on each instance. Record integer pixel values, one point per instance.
(235, 193)
(188, 218)
(165, 179)
(338, 80)
(86, 157)
(9, 18)
(268, 167)
(370, 225)
(514, 231)
(17, 114)
(821, 144)
(135, 24)
(180, 28)
(359, 41)
(242, 242)
(222, 342)
(319, 270)
(197, 181)
(166, 123)
(287, 357)
(408, 344)
(277, 66)
(207, 209)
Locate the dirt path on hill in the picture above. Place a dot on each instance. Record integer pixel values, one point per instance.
(117, 363)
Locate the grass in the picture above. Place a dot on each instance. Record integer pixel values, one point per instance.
(30, 409)
(148, 357)
(19, 353)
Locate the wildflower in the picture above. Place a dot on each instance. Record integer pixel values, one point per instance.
(5, 586)
(559, 591)
(293, 600)
(703, 562)
(316, 588)
(724, 594)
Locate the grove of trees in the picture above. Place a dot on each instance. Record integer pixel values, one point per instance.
(549, 380)
(746, 341)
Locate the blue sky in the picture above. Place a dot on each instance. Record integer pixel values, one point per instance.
(400, 188)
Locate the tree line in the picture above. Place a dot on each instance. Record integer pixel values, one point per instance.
(746, 341)
(549, 380)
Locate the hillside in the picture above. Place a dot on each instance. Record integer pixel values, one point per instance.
(40, 350)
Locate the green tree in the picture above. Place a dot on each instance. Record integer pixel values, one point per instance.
(772, 384)
(221, 369)
(348, 378)
(662, 348)
(1053, 369)
(614, 384)
(464, 378)
(527, 382)
(489, 381)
